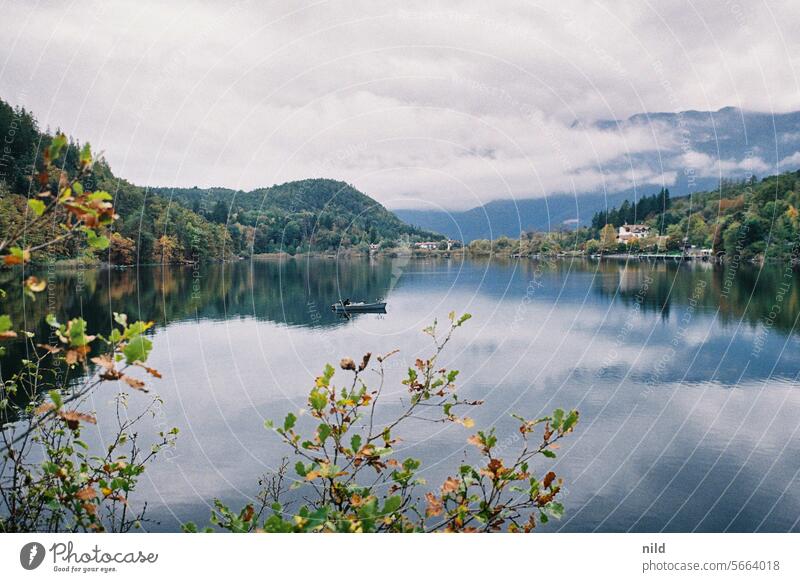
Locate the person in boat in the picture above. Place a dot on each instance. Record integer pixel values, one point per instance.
(346, 302)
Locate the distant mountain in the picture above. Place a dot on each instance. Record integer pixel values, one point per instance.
(694, 150)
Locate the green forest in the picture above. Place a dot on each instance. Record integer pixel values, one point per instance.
(166, 225)
(749, 218)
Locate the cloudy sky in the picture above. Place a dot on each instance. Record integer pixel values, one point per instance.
(441, 104)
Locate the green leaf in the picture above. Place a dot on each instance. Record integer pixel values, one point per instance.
(97, 242)
(51, 320)
(37, 206)
(55, 396)
(324, 431)
(100, 195)
(137, 349)
(392, 504)
(137, 328)
(558, 416)
(570, 421)
(289, 421)
(86, 154)
(355, 443)
(77, 332)
(5, 323)
(58, 143)
(543, 517)
(556, 509)
(317, 399)
(300, 468)
(549, 454)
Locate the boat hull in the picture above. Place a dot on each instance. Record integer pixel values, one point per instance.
(359, 308)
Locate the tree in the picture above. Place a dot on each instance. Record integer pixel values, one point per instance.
(220, 212)
(167, 250)
(122, 250)
(608, 238)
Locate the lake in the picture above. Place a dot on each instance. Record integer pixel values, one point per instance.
(685, 375)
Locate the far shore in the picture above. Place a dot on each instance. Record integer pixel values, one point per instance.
(82, 263)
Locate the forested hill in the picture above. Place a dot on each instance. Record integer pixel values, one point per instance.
(327, 214)
(172, 225)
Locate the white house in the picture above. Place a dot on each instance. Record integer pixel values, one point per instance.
(628, 232)
(428, 246)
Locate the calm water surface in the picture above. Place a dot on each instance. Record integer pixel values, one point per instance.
(685, 375)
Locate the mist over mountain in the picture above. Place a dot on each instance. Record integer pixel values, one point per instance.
(691, 150)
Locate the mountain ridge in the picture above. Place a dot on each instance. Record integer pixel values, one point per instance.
(729, 143)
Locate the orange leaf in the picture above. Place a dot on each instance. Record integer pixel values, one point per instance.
(51, 349)
(476, 440)
(44, 408)
(134, 383)
(86, 493)
(450, 485)
(35, 284)
(73, 418)
(248, 513)
(105, 361)
(435, 506)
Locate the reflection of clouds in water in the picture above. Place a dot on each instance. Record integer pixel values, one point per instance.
(227, 371)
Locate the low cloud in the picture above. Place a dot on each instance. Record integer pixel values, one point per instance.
(411, 102)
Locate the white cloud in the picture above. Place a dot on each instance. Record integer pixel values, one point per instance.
(409, 101)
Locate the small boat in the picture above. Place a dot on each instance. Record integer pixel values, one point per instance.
(347, 307)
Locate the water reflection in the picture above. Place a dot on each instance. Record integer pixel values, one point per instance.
(685, 374)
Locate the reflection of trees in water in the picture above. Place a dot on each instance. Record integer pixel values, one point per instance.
(747, 292)
(270, 290)
(295, 292)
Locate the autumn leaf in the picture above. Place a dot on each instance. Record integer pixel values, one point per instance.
(434, 507)
(75, 355)
(35, 284)
(347, 364)
(48, 348)
(73, 418)
(44, 408)
(450, 485)
(134, 383)
(86, 493)
(17, 256)
(548, 479)
(152, 371)
(248, 513)
(105, 361)
(477, 441)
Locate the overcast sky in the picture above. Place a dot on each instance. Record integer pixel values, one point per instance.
(448, 104)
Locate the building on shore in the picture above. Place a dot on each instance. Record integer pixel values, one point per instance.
(427, 246)
(629, 232)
